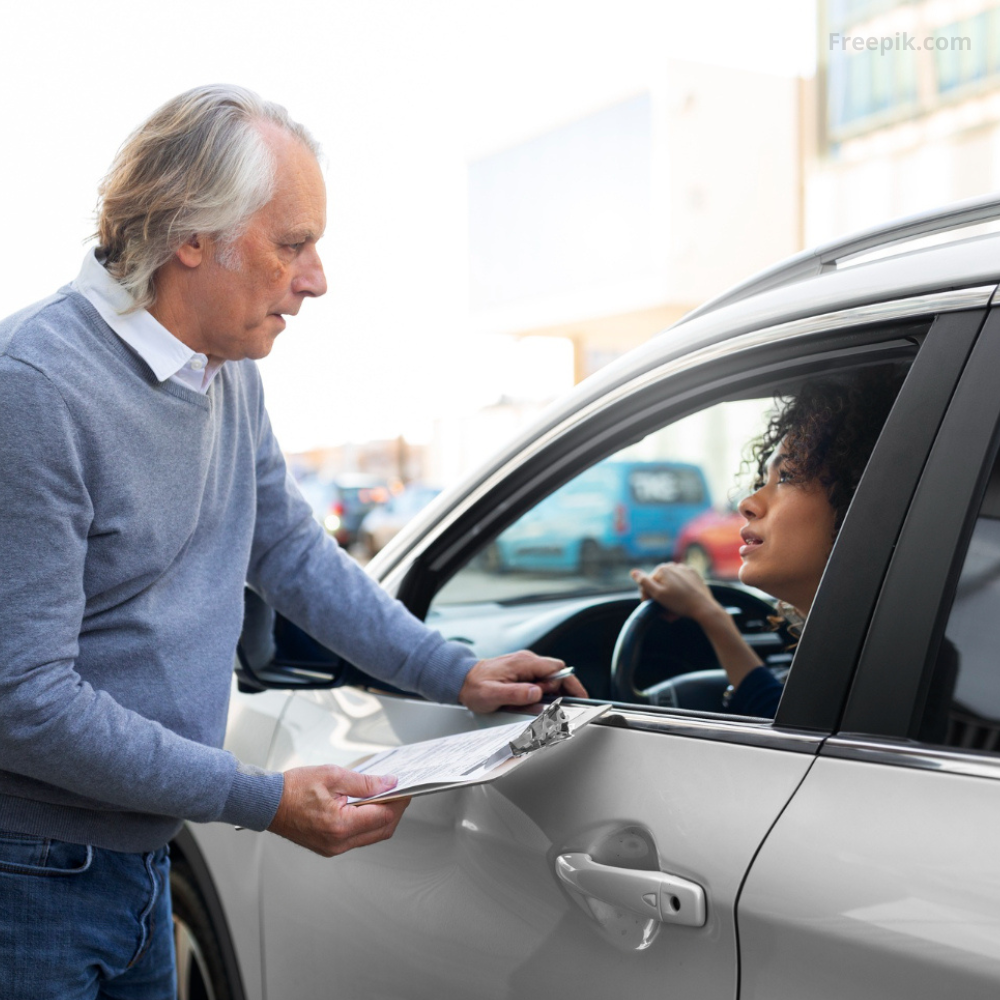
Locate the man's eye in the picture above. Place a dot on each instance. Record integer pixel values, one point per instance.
(295, 246)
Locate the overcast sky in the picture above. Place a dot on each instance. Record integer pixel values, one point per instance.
(401, 94)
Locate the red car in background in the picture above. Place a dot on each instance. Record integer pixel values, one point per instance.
(711, 543)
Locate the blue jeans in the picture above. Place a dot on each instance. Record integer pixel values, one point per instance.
(83, 923)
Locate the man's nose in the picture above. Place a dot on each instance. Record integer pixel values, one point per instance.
(311, 280)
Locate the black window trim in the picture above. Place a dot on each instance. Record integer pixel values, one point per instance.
(887, 699)
(839, 622)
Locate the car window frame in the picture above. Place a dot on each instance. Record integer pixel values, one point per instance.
(662, 402)
(887, 698)
(588, 442)
(840, 619)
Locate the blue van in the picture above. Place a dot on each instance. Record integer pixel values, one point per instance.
(615, 513)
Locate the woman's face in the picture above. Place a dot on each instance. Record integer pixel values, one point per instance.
(788, 535)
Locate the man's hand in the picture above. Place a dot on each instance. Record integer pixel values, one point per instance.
(314, 811)
(517, 680)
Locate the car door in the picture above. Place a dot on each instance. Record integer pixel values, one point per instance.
(466, 900)
(881, 878)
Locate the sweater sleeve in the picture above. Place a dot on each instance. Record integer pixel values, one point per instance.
(54, 726)
(302, 572)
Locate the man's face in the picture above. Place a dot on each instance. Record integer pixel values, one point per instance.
(241, 292)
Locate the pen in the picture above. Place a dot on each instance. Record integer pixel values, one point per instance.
(560, 674)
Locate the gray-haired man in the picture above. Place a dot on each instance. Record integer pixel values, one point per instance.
(142, 487)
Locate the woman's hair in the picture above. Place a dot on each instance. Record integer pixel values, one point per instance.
(199, 164)
(829, 429)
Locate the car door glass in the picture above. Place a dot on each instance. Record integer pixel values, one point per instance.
(671, 495)
(558, 580)
(963, 702)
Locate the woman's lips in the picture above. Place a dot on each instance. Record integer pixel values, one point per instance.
(750, 542)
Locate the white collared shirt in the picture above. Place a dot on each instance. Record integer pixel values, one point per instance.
(154, 343)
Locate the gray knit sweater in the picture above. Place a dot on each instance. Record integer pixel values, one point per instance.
(131, 514)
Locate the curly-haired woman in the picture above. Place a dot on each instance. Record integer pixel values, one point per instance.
(808, 463)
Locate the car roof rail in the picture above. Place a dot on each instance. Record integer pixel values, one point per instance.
(810, 263)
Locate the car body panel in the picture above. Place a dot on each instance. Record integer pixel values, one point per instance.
(233, 859)
(233, 856)
(878, 882)
(464, 901)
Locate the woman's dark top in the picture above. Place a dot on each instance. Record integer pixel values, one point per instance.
(758, 694)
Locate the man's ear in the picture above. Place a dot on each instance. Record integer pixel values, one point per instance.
(192, 251)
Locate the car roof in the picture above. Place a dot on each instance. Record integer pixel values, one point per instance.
(965, 264)
(959, 220)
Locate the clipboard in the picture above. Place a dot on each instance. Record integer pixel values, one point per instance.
(476, 757)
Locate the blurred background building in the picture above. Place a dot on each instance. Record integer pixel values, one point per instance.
(607, 229)
(518, 192)
(909, 123)
(587, 237)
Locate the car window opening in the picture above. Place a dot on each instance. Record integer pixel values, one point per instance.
(672, 509)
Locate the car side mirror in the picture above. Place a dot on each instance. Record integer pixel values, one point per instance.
(273, 653)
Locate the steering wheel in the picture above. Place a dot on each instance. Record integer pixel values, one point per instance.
(701, 690)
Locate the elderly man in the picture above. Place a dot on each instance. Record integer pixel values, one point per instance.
(141, 488)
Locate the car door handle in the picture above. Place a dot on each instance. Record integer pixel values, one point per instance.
(667, 898)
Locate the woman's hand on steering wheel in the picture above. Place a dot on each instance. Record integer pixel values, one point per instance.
(679, 589)
(684, 594)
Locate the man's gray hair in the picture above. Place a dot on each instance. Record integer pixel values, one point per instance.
(199, 165)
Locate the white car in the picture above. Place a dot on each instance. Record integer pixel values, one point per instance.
(842, 849)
